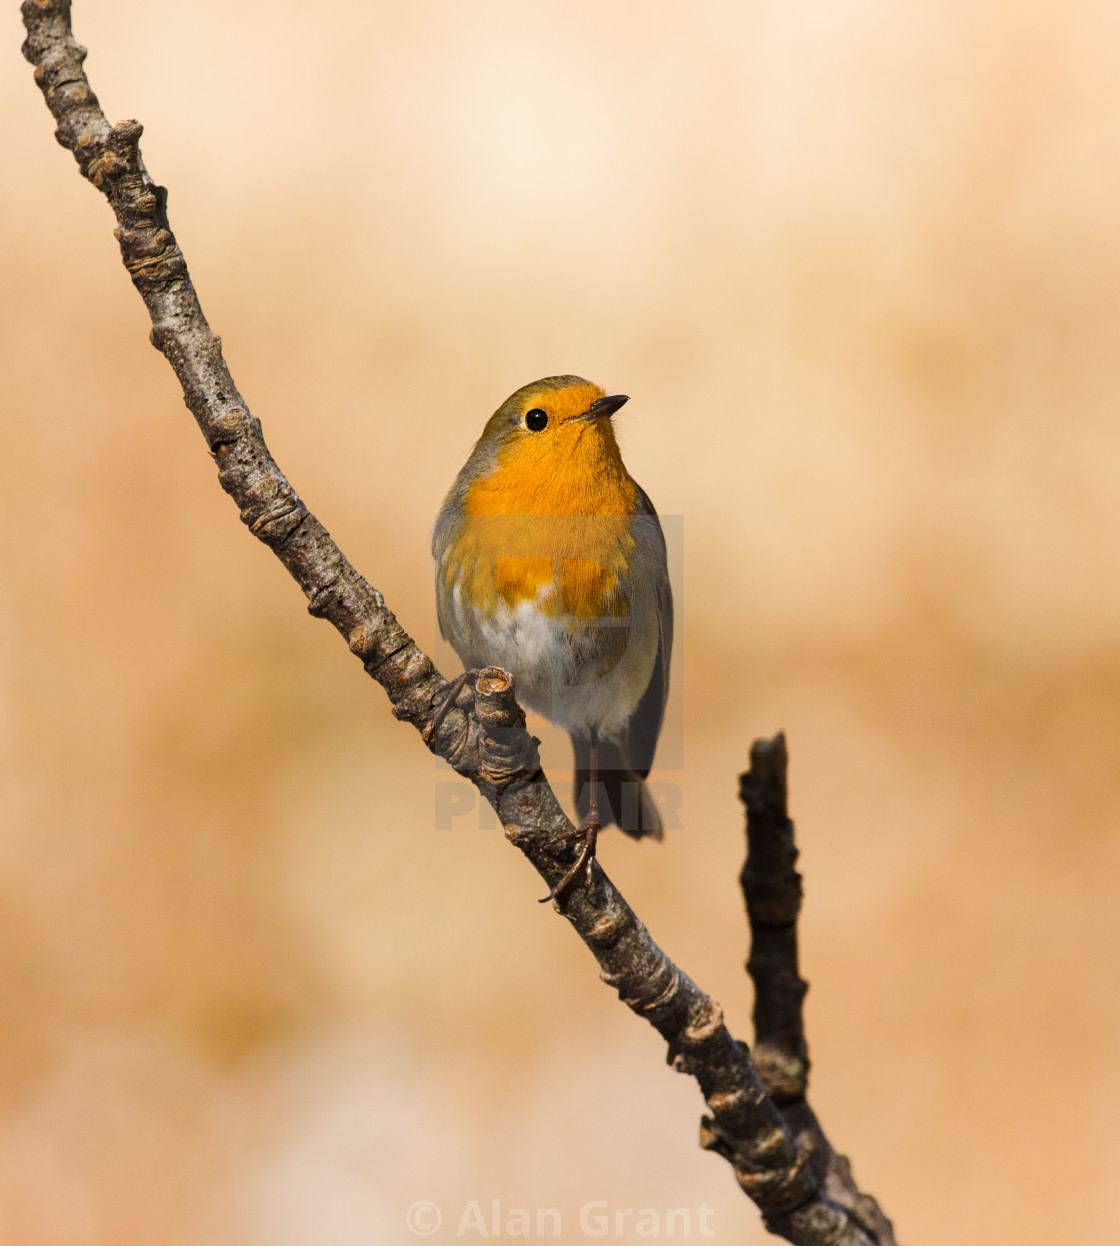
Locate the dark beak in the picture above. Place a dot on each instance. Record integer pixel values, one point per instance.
(604, 406)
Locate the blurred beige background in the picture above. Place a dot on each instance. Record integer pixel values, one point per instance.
(857, 265)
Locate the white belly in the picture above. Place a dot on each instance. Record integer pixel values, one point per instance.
(578, 673)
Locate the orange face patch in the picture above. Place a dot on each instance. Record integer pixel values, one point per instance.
(564, 404)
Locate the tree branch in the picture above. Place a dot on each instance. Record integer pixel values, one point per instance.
(772, 891)
(487, 744)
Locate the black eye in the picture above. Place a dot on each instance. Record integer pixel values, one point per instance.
(536, 419)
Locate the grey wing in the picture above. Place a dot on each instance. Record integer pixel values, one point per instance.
(443, 600)
(444, 533)
(644, 725)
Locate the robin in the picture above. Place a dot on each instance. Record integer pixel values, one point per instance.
(550, 562)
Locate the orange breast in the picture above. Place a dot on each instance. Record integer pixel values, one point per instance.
(568, 564)
(554, 528)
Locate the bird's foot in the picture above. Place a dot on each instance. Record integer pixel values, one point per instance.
(588, 833)
(453, 689)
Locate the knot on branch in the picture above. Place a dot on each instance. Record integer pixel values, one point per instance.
(151, 255)
(507, 754)
(664, 996)
(118, 155)
(272, 510)
(778, 1187)
(704, 1027)
(660, 992)
(226, 428)
(148, 247)
(783, 1067)
(607, 930)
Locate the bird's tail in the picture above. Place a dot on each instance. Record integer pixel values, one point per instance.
(623, 796)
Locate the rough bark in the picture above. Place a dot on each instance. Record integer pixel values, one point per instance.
(772, 891)
(484, 737)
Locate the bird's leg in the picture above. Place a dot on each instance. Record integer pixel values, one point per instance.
(453, 689)
(587, 831)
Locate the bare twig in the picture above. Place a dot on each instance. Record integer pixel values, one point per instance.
(772, 891)
(487, 744)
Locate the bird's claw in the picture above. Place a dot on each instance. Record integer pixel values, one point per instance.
(453, 689)
(588, 832)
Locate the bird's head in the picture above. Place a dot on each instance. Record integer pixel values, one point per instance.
(550, 449)
(548, 419)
